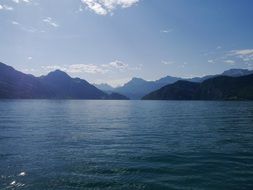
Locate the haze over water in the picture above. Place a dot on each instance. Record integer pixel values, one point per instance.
(125, 145)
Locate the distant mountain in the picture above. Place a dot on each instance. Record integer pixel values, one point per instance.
(230, 72)
(136, 88)
(168, 80)
(104, 87)
(200, 79)
(55, 85)
(217, 88)
(110, 91)
(237, 72)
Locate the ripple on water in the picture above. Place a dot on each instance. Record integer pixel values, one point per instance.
(126, 145)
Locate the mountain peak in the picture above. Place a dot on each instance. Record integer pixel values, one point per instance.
(135, 79)
(168, 79)
(58, 71)
(58, 74)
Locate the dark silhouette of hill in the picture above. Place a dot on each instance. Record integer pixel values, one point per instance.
(15, 84)
(117, 96)
(217, 88)
(136, 88)
(56, 85)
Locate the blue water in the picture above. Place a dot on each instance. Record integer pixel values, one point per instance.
(60, 145)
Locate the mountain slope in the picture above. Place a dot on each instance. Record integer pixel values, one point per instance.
(66, 87)
(227, 88)
(180, 90)
(237, 72)
(168, 80)
(230, 73)
(218, 88)
(137, 87)
(55, 85)
(104, 87)
(15, 84)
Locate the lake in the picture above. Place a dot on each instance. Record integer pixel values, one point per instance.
(68, 144)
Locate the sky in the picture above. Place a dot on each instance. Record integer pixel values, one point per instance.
(111, 41)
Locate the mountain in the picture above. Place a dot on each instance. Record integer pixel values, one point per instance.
(217, 88)
(201, 79)
(180, 90)
(110, 91)
(137, 87)
(168, 80)
(230, 73)
(15, 84)
(104, 87)
(117, 96)
(237, 72)
(63, 86)
(227, 88)
(55, 85)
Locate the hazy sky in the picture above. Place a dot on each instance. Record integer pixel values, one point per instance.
(114, 40)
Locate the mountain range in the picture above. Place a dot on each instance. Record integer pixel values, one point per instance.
(56, 85)
(136, 88)
(216, 88)
(104, 87)
(231, 84)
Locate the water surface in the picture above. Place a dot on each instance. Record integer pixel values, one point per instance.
(60, 145)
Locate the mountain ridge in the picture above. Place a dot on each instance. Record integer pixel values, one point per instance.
(136, 88)
(56, 85)
(217, 88)
(59, 85)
